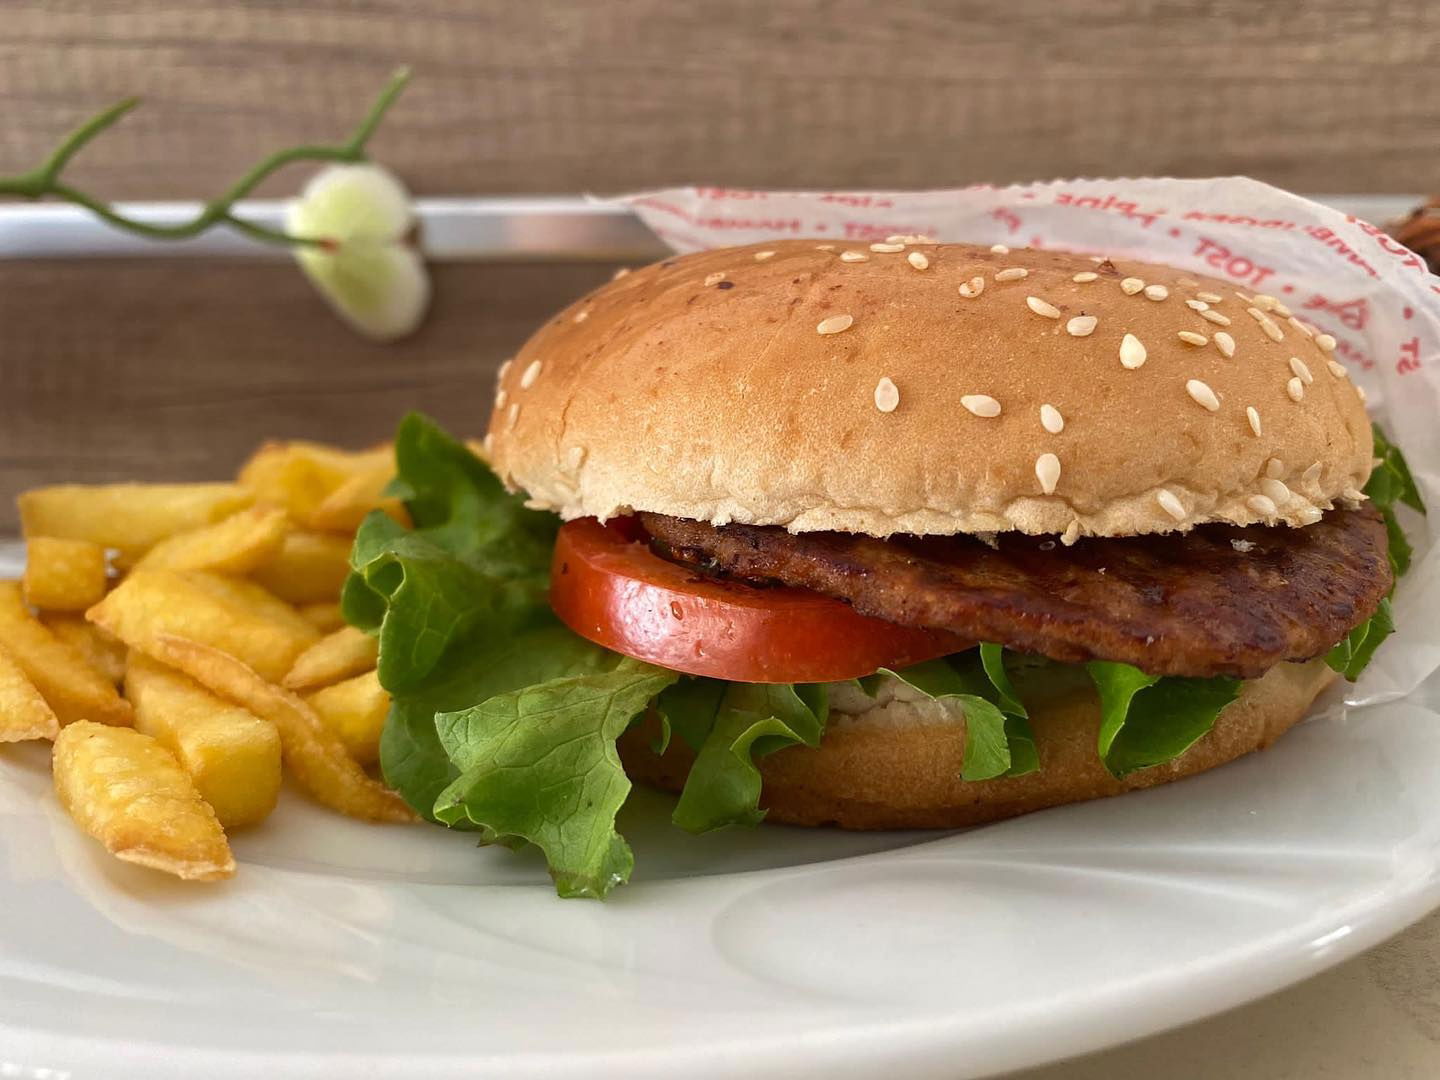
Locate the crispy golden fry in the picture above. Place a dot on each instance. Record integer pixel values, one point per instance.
(345, 508)
(232, 756)
(64, 575)
(301, 475)
(324, 617)
(131, 517)
(234, 616)
(235, 545)
(355, 710)
(309, 569)
(313, 753)
(69, 685)
(127, 791)
(23, 712)
(336, 656)
(101, 651)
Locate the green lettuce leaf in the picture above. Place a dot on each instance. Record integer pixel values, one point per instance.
(539, 764)
(1148, 720)
(998, 741)
(729, 725)
(1355, 652)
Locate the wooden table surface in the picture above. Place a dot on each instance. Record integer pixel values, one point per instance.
(163, 367)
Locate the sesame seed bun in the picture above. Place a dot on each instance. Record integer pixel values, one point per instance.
(930, 389)
(879, 776)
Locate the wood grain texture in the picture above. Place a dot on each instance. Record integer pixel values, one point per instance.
(174, 368)
(572, 95)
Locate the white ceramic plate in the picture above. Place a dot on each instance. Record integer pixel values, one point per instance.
(344, 949)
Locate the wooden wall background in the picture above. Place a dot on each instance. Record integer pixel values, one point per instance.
(164, 367)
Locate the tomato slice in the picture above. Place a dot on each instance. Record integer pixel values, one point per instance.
(608, 586)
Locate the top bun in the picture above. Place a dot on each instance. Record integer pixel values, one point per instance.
(913, 387)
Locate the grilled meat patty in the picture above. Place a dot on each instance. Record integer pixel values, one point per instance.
(1218, 600)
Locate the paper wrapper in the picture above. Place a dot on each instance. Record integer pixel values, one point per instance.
(1335, 271)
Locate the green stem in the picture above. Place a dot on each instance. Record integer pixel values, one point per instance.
(45, 180)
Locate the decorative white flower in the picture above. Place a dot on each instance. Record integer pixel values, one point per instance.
(368, 271)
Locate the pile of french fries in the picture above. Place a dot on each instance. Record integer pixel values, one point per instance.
(181, 644)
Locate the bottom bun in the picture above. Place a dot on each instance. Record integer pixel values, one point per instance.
(880, 776)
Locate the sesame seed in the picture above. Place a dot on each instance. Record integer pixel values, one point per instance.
(1338, 370)
(887, 395)
(532, 373)
(1197, 305)
(1275, 468)
(1265, 302)
(1326, 342)
(1013, 273)
(1156, 292)
(1225, 343)
(576, 456)
(1192, 338)
(715, 278)
(1295, 388)
(1042, 307)
(1170, 504)
(981, 404)
(1131, 285)
(897, 238)
(853, 256)
(1051, 420)
(835, 324)
(1253, 415)
(824, 247)
(1202, 394)
(488, 443)
(999, 249)
(1214, 316)
(505, 369)
(918, 260)
(1310, 515)
(1298, 325)
(1280, 309)
(1261, 505)
(761, 256)
(887, 249)
(1085, 276)
(501, 397)
(1071, 533)
(513, 415)
(972, 288)
(1275, 491)
(1272, 331)
(1311, 475)
(1082, 325)
(620, 273)
(1132, 352)
(581, 316)
(1047, 471)
(1299, 367)
(1244, 299)
(1209, 297)
(1360, 393)
(1188, 281)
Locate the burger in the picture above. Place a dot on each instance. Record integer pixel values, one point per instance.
(907, 535)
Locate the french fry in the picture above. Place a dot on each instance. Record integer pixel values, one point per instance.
(234, 616)
(310, 568)
(64, 575)
(236, 545)
(325, 617)
(313, 753)
(300, 475)
(69, 685)
(101, 651)
(355, 710)
(345, 508)
(131, 517)
(232, 756)
(346, 652)
(23, 712)
(128, 792)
